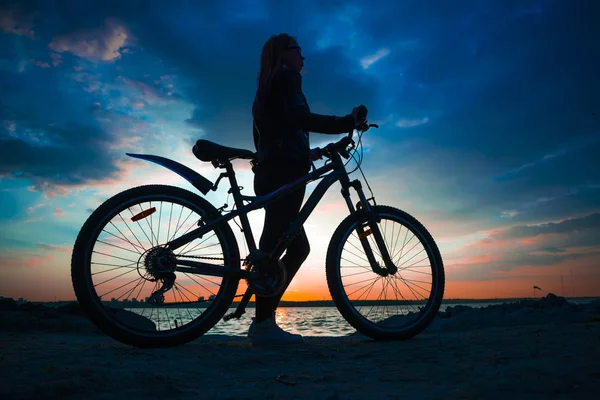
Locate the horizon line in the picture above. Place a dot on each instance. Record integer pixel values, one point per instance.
(331, 301)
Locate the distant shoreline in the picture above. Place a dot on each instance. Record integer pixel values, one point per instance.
(326, 303)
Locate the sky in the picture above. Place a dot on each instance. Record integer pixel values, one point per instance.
(488, 113)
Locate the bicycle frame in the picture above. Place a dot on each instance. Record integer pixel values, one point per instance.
(329, 173)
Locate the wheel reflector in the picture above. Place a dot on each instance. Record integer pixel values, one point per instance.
(143, 214)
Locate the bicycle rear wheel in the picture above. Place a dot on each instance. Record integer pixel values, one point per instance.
(117, 255)
(392, 307)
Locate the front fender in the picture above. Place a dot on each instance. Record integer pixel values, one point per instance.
(197, 180)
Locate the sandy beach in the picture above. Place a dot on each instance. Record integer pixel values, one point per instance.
(516, 351)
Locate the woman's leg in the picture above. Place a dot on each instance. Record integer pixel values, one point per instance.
(278, 216)
(294, 257)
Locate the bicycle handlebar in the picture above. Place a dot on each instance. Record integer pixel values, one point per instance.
(341, 146)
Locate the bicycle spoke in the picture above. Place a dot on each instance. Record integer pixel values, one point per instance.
(415, 245)
(112, 269)
(138, 224)
(414, 280)
(417, 286)
(149, 222)
(141, 288)
(115, 277)
(159, 217)
(404, 243)
(186, 274)
(178, 219)
(181, 294)
(410, 288)
(358, 273)
(374, 282)
(136, 285)
(193, 248)
(100, 296)
(359, 249)
(135, 246)
(397, 290)
(118, 247)
(413, 264)
(110, 255)
(186, 231)
(182, 224)
(357, 265)
(399, 266)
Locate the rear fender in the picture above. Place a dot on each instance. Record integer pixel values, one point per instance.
(197, 180)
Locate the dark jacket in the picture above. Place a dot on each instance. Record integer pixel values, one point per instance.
(284, 119)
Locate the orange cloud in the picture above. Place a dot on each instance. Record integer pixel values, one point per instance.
(100, 44)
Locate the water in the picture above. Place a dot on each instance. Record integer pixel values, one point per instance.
(307, 321)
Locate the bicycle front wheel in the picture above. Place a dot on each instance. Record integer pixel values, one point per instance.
(118, 265)
(386, 307)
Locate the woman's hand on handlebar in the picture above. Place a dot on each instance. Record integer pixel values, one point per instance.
(360, 115)
(316, 154)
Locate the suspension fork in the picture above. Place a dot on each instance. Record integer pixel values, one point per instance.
(373, 229)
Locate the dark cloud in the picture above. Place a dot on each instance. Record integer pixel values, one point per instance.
(571, 225)
(50, 155)
(510, 92)
(223, 67)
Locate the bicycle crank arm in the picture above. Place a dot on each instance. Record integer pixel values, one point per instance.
(241, 308)
(201, 268)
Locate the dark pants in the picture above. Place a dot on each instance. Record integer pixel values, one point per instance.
(278, 216)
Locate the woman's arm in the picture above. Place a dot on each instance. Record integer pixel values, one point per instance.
(298, 112)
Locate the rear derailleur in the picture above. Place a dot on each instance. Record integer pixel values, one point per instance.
(158, 297)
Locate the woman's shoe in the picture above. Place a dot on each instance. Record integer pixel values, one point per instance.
(253, 325)
(268, 333)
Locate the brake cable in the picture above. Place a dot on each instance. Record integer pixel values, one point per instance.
(359, 162)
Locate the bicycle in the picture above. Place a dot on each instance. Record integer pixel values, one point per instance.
(172, 271)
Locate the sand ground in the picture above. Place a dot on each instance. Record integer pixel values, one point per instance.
(557, 361)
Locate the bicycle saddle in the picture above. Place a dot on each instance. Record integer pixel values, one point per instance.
(205, 150)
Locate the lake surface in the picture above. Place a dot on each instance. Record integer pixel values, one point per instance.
(309, 321)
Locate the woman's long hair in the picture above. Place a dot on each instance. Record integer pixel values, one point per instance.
(270, 63)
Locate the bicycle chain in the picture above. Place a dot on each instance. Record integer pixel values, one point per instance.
(216, 259)
(209, 258)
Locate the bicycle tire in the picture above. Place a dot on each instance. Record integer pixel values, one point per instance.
(101, 315)
(334, 281)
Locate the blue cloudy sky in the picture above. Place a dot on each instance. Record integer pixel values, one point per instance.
(489, 114)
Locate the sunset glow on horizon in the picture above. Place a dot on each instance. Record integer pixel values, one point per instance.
(488, 132)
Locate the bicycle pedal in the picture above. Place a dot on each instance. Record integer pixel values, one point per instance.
(233, 315)
(229, 316)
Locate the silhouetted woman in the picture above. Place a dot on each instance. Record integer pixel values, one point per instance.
(282, 121)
